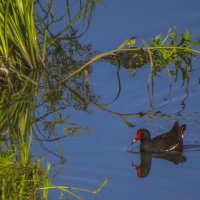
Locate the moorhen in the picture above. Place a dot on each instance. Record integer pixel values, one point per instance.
(166, 142)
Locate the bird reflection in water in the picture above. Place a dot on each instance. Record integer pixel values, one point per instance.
(145, 161)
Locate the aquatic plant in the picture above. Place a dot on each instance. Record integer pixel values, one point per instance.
(176, 49)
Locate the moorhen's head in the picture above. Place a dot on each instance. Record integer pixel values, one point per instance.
(142, 135)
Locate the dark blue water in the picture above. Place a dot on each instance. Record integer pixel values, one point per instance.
(104, 150)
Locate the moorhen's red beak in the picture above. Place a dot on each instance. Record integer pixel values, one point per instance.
(136, 138)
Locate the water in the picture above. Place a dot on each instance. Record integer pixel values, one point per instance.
(105, 150)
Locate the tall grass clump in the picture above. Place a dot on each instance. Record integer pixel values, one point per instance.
(18, 37)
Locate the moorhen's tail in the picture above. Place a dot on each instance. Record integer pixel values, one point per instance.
(181, 131)
(183, 127)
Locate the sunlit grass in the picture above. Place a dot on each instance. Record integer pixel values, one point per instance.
(19, 48)
(18, 37)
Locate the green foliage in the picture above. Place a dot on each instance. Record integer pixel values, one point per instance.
(175, 49)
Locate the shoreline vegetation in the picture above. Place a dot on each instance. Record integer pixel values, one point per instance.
(30, 53)
(25, 39)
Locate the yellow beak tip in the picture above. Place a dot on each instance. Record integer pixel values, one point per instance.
(133, 141)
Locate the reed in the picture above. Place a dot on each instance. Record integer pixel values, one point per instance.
(18, 36)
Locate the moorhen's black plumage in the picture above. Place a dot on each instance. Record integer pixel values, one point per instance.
(166, 142)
